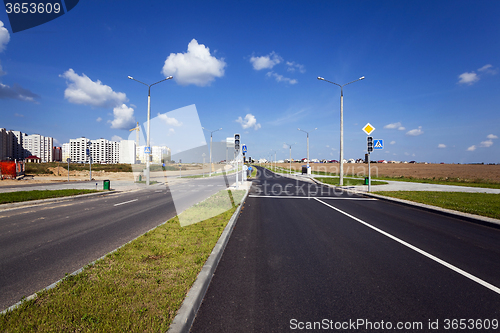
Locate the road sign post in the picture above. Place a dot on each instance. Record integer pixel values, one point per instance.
(368, 129)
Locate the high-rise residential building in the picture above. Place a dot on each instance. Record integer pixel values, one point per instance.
(17, 145)
(78, 150)
(57, 154)
(39, 146)
(101, 151)
(127, 152)
(159, 154)
(65, 152)
(5, 145)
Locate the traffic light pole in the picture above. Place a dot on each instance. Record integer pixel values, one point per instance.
(369, 174)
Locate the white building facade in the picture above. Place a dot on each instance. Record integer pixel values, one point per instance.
(39, 146)
(102, 151)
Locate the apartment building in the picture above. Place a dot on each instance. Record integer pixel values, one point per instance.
(101, 150)
(65, 151)
(39, 146)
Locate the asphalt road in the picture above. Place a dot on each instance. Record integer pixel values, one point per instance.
(40, 244)
(303, 258)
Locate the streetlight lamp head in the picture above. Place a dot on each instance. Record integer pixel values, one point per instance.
(171, 77)
(320, 78)
(130, 77)
(362, 78)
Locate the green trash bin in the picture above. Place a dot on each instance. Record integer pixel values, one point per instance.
(366, 180)
(106, 184)
(140, 177)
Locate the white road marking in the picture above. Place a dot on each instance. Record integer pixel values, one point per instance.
(416, 249)
(298, 197)
(122, 203)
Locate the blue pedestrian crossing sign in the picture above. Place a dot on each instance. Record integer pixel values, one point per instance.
(147, 150)
(244, 149)
(378, 144)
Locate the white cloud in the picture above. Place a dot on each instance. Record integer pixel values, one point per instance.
(292, 66)
(392, 142)
(99, 119)
(468, 78)
(265, 62)
(492, 136)
(488, 69)
(487, 143)
(471, 148)
(82, 90)
(248, 122)
(196, 66)
(393, 125)
(116, 138)
(441, 145)
(280, 78)
(415, 132)
(124, 117)
(169, 121)
(17, 92)
(4, 37)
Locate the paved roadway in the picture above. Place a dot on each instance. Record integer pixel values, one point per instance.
(301, 254)
(39, 244)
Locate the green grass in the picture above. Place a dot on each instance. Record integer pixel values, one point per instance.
(138, 288)
(19, 196)
(485, 204)
(484, 183)
(151, 182)
(348, 181)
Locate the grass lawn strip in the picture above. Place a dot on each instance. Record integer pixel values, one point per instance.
(348, 181)
(484, 204)
(137, 288)
(19, 196)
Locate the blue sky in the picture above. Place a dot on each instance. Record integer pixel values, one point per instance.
(431, 89)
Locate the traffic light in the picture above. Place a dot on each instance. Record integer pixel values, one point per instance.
(370, 144)
(236, 143)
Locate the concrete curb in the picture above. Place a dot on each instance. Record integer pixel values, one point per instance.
(488, 221)
(15, 205)
(185, 316)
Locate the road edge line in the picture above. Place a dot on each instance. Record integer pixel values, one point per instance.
(418, 250)
(474, 218)
(187, 312)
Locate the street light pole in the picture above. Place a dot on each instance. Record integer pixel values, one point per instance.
(307, 146)
(210, 174)
(290, 157)
(149, 122)
(341, 180)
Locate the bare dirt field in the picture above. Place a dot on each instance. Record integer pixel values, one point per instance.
(469, 172)
(60, 174)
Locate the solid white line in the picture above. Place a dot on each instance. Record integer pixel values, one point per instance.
(122, 203)
(297, 197)
(416, 249)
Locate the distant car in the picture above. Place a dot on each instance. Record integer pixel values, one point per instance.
(412, 162)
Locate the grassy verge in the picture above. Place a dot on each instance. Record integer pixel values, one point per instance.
(348, 181)
(138, 288)
(447, 181)
(485, 204)
(151, 182)
(38, 195)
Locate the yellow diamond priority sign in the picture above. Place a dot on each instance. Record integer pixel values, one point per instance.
(368, 129)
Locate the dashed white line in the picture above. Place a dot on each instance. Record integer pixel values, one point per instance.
(126, 202)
